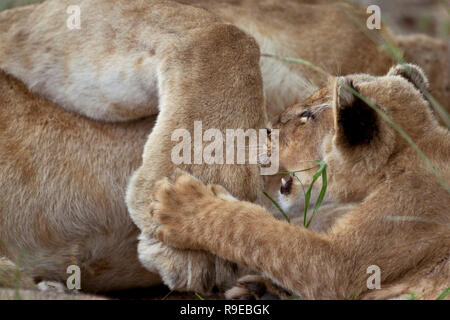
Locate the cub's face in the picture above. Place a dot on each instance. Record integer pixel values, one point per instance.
(340, 128)
(302, 129)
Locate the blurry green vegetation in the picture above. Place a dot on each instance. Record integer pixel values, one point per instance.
(8, 4)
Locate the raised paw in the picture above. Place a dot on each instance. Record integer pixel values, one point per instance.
(177, 206)
(255, 287)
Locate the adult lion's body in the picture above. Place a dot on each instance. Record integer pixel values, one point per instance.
(64, 176)
(107, 69)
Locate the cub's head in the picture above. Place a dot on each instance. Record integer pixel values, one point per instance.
(338, 125)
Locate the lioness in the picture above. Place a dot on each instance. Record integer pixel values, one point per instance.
(132, 59)
(400, 223)
(109, 68)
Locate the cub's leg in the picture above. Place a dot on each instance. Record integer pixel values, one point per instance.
(331, 265)
(250, 287)
(210, 77)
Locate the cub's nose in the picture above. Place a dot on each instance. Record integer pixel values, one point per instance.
(286, 186)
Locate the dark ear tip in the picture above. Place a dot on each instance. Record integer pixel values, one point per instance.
(412, 73)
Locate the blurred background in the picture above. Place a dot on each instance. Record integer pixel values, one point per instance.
(430, 17)
(7, 4)
(403, 16)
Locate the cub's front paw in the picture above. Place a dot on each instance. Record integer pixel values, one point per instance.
(178, 205)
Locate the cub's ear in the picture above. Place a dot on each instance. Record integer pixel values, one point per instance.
(413, 74)
(356, 123)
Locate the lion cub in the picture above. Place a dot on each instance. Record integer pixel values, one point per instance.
(401, 222)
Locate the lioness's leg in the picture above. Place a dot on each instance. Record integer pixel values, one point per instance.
(196, 77)
(211, 76)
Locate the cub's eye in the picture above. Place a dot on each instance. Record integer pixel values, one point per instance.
(305, 115)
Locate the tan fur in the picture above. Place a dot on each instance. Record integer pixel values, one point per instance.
(243, 109)
(65, 192)
(65, 176)
(55, 232)
(16, 284)
(12, 277)
(107, 70)
(368, 163)
(433, 56)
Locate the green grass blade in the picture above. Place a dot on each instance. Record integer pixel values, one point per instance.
(323, 170)
(411, 296)
(301, 183)
(353, 296)
(444, 115)
(293, 172)
(296, 60)
(444, 294)
(167, 295)
(199, 296)
(278, 207)
(308, 196)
